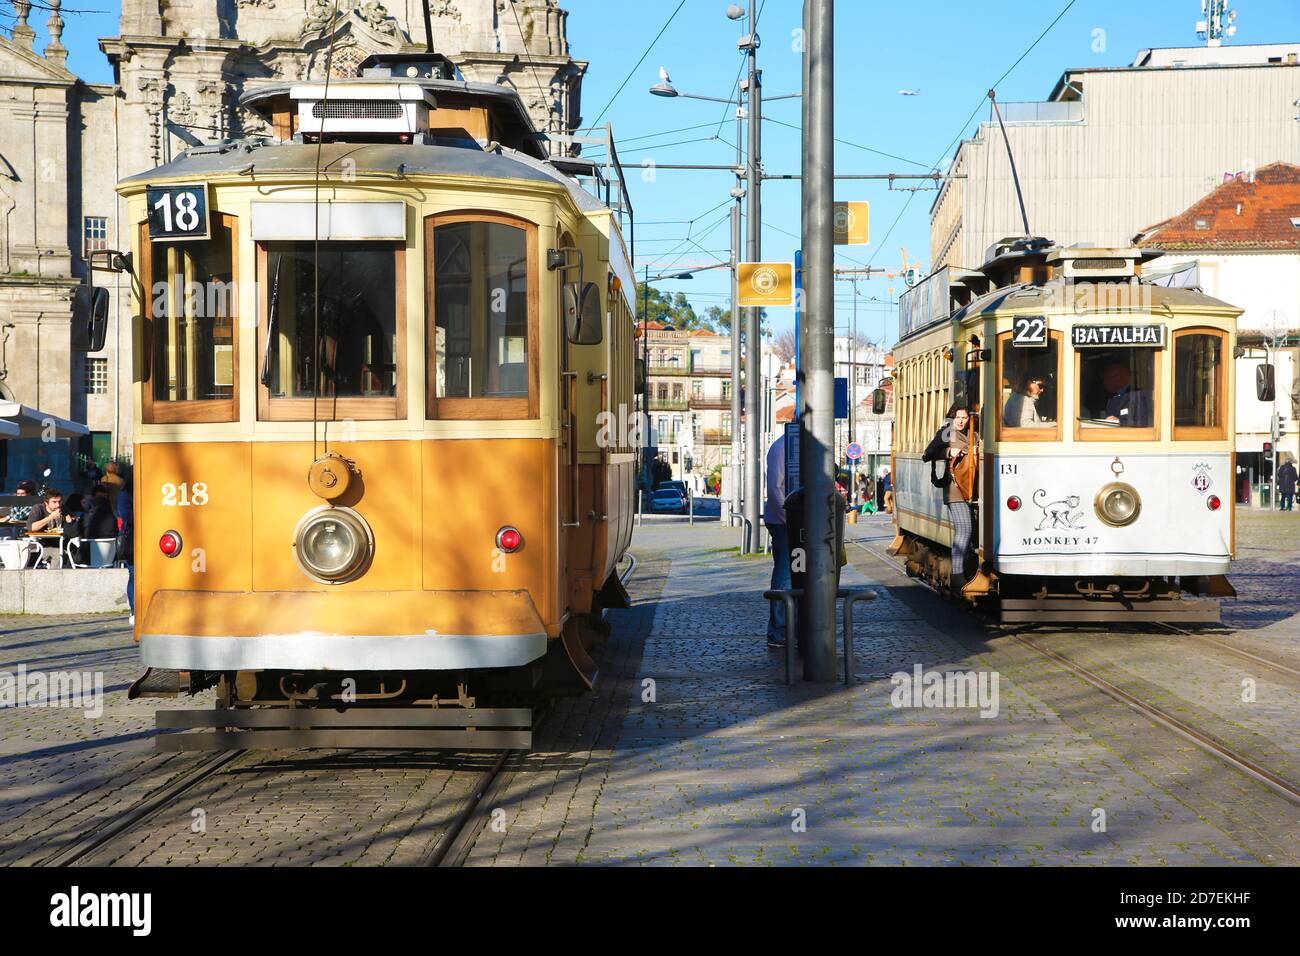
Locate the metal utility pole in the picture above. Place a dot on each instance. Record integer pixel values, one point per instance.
(755, 454)
(817, 459)
(853, 391)
(738, 193)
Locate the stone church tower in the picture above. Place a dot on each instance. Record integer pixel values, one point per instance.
(180, 67)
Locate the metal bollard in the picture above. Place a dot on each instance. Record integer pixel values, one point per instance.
(851, 598)
(791, 626)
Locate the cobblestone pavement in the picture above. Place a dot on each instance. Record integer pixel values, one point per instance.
(693, 751)
(724, 764)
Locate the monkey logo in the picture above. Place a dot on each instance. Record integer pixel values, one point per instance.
(1058, 515)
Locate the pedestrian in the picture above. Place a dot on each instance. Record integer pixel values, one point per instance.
(114, 482)
(774, 518)
(887, 493)
(1286, 481)
(951, 445)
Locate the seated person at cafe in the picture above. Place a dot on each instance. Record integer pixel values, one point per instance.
(14, 523)
(1021, 410)
(48, 516)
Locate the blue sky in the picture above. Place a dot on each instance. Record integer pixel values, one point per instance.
(950, 50)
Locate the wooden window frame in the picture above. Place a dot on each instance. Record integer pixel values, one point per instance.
(1031, 434)
(155, 411)
(354, 407)
(1120, 433)
(482, 409)
(1199, 432)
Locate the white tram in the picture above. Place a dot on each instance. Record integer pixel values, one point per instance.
(1102, 406)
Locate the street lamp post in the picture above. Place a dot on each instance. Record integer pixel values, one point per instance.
(753, 336)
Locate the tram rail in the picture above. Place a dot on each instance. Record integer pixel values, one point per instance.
(1233, 758)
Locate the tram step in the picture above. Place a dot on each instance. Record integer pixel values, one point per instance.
(386, 728)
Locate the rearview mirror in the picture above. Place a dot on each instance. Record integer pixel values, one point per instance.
(89, 318)
(878, 402)
(1265, 388)
(582, 314)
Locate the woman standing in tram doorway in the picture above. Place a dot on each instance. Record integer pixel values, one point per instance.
(952, 445)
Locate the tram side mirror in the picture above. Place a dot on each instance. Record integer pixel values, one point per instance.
(878, 402)
(638, 375)
(1265, 387)
(89, 318)
(582, 314)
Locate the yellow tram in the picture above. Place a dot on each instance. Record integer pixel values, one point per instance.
(377, 361)
(1088, 507)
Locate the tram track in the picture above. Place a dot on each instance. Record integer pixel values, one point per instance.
(455, 843)
(1233, 758)
(1227, 648)
(148, 806)
(450, 849)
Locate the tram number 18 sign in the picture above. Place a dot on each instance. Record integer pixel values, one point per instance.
(1028, 331)
(178, 212)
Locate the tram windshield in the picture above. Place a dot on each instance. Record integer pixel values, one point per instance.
(1117, 388)
(356, 322)
(1029, 385)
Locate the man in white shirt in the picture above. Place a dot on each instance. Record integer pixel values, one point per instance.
(774, 518)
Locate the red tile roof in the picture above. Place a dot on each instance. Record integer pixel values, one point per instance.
(1243, 213)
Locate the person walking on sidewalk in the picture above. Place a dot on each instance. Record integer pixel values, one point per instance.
(774, 518)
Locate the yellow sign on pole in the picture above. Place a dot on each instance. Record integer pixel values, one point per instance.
(851, 223)
(764, 284)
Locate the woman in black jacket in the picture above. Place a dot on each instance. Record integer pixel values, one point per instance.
(951, 444)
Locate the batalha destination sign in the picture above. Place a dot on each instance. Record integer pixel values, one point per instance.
(1097, 336)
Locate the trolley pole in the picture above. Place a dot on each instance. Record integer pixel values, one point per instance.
(817, 461)
(754, 452)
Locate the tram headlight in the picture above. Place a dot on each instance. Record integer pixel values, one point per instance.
(333, 545)
(1118, 504)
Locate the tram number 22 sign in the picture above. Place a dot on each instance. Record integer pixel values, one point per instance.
(1029, 331)
(178, 212)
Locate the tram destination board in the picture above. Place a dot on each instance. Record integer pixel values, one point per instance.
(1105, 336)
(178, 212)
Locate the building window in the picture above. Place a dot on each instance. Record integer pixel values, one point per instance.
(726, 388)
(697, 389)
(94, 234)
(96, 376)
(677, 391)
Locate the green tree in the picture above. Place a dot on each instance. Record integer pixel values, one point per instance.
(659, 306)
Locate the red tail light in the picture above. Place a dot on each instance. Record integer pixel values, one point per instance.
(1013, 503)
(509, 539)
(170, 544)
(1213, 502)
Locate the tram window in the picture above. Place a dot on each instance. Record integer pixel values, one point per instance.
(1028, 383)
(1198, 384)
(355, 326)
(481, 310)
(192, 303)
(1117, 389)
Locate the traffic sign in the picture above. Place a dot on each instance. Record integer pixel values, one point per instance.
(764, 284)
(854, 451)
(852, 221)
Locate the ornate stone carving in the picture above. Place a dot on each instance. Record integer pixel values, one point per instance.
(318, 16)
(376, 16)
(444, 8)
(181, 110)
(151, 90)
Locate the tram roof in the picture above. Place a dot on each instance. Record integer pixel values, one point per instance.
(1041, 297)
(391, 160)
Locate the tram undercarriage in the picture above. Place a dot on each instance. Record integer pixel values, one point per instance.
(1018, 598)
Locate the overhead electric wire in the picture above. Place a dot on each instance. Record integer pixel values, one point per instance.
(637, 66)
(961, 132)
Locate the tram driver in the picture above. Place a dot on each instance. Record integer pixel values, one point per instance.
(1125, 406)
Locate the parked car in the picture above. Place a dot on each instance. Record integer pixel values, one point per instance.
(676, 486)
(668, 501)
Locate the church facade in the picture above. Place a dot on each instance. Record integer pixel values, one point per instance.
(180, 67)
